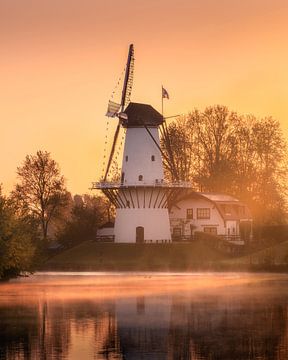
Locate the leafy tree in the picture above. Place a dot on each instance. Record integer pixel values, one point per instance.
(16, 241)
(41, 191)
(88, 213)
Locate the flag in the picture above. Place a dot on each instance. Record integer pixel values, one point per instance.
(165, 94)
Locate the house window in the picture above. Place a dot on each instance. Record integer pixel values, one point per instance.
(152, 158)
(177, 232)
(126, 158)
(210, 230)
(140, 178)
(189, 214)
(203, 213)
(128, 203)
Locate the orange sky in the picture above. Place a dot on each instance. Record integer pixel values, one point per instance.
(59, 62)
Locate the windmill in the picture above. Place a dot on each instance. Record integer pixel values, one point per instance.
(117, 110)
(142, 196)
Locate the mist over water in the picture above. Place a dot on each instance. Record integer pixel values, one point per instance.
(144, 316)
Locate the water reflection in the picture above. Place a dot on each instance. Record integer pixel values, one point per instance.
(145, 317)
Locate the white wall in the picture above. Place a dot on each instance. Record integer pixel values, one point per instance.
(139, 147)
(178, 214)
(105, 232)
(155, 222)
(232, 227)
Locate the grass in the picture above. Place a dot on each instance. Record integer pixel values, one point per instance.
(93, 256)
(162, 257)
(274, 255)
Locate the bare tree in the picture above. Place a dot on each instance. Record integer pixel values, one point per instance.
(182, 142)
(41, 191)
(219, 150)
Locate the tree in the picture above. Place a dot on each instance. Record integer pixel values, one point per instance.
(41, 191)
(183, 145)
(16, 241)
(221, 151)
(88, 213)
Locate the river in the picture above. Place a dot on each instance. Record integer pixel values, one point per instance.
(198, 316)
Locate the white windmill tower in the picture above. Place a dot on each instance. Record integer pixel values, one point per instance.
(142, 196)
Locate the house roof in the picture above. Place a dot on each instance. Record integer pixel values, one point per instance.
(219, 197)
(229, 207)
(109, 224)
(142, 115)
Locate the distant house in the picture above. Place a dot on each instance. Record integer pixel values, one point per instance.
(212, 213)
(106, 232)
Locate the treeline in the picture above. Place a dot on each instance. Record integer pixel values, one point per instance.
(221, 151)
(41, 209)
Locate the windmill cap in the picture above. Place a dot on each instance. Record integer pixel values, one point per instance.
(142, 115)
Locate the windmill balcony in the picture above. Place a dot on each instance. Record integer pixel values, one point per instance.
(156, 183)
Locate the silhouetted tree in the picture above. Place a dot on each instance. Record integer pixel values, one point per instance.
(41, 191)
(88, 213)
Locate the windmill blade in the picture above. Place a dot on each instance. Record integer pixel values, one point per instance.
(113, 109)
(128, 81)
(112, 150)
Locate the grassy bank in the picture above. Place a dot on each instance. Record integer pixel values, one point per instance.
(162, 257)
(92, 256)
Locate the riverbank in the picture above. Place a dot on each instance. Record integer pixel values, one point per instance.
(196, 256)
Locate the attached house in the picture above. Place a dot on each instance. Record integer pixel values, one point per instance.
(211, 213)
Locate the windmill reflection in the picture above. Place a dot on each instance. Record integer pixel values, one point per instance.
(180, 326)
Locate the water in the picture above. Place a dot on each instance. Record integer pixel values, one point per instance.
(144, 316)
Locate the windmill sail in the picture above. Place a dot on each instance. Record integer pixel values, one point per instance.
(113, 109)
(128, 81)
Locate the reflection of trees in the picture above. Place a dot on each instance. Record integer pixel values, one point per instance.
(202, 327)
(18, 329)
(211, 329)
(49, 330)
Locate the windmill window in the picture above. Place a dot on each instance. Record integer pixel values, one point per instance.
(140, 178)
(126, 158)
(152, 158)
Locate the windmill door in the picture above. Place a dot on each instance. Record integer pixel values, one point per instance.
(139, 234)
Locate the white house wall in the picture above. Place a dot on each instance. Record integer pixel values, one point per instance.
(232, 227)
(178, 217)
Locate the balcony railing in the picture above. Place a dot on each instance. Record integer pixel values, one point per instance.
(157, 183)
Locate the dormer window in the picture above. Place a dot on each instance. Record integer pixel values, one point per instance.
(140, 178)
(153, 158)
